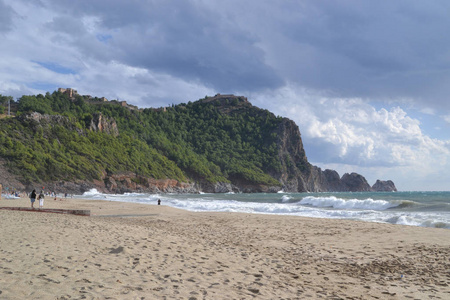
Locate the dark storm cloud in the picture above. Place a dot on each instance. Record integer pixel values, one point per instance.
(182, 39)
(190, 45)
(369, 49)
(6, 17)
(70, 26)
(373, 49)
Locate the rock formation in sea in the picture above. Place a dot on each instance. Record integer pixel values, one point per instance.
(384, 186)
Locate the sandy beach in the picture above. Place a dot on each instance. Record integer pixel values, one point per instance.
(137, 251)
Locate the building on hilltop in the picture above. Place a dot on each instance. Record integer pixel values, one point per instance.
(69, 92)
(161, 109)
(72, 93)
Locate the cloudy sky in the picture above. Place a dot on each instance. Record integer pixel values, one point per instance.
(367, 82)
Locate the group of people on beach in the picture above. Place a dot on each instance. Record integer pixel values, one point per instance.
(40, 197)
(34, 196)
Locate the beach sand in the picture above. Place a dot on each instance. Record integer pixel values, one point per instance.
(136, 251)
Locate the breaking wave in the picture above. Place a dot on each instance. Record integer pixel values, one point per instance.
(339, 203)
(404, 209)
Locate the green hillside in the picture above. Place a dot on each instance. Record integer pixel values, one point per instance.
(215, 139)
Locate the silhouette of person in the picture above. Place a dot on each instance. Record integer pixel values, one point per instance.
(33, 198)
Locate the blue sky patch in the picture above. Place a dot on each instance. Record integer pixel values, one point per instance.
(55, 67)
(433, 125)
(104, 38)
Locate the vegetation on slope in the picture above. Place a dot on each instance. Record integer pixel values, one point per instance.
(216, 141)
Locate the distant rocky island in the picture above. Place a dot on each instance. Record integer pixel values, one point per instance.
(71, 143)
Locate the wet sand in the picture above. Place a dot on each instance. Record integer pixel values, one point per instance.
(136, 251)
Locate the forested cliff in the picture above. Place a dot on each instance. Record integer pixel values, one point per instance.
(216, 144)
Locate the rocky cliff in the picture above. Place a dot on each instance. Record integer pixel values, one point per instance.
(36, 120)
(98, 122)
(384, 186)
(103, 124)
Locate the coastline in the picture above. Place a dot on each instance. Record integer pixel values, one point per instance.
(129, 250)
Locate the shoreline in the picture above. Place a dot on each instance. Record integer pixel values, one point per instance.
(130, 250)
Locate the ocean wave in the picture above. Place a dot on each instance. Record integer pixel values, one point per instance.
(91, 192)
(339, 203)
(94, 194)
(285, 198)
(133, 194)
(418, 220)
(8, 196)
(405, 203)
(415, 212)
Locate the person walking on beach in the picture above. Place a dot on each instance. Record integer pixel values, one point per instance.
(33, 198)
(41, 199)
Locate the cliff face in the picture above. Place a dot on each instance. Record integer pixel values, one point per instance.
(37, 120)
(103, 124)
(98, 122)
(296, 171)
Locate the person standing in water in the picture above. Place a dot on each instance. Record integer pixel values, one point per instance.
(33, 198)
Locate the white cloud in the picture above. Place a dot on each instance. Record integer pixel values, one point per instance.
(138, 86)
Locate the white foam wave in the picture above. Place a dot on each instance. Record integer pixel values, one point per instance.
(91, 192)
(285, 198)
(9, 196)
(339, 203)
(316, 207)
(419, 220)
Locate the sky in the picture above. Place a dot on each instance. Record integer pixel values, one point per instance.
(367, 82)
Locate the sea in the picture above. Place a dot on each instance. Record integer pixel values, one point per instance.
(425, 209)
